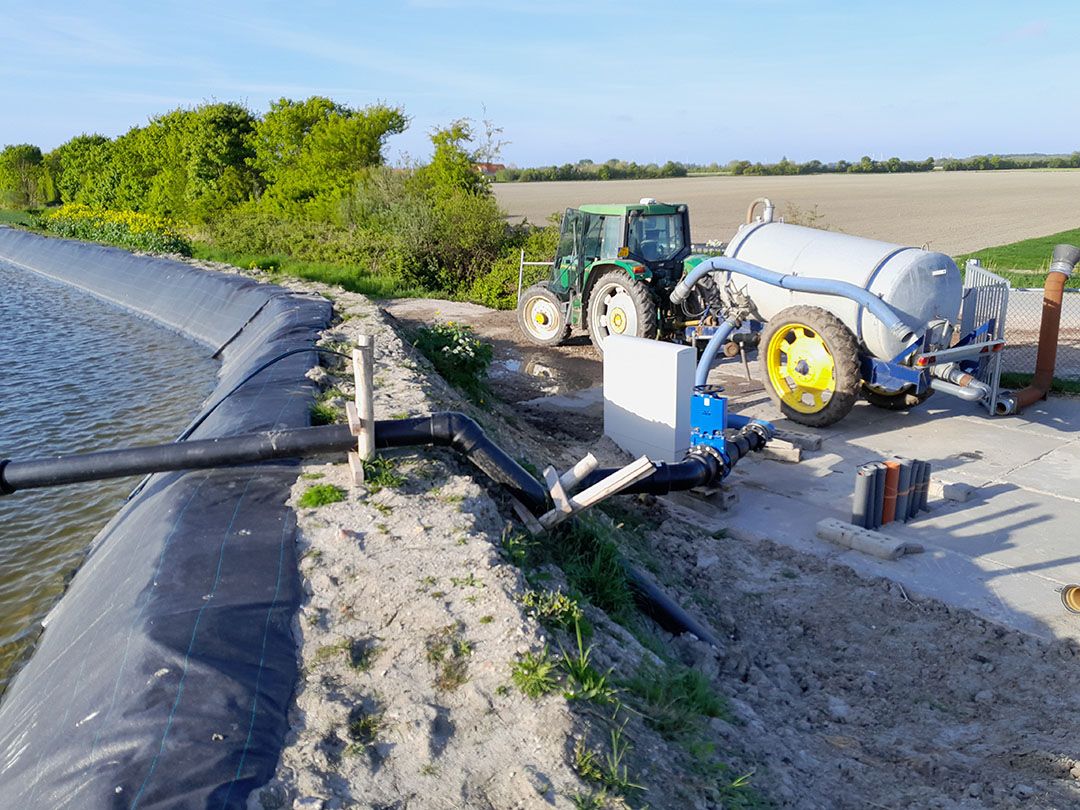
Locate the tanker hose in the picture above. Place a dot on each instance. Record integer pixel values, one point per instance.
(821, 286)
(1064, 261)
(767, 216)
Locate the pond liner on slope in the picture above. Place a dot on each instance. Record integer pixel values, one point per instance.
(164, 675)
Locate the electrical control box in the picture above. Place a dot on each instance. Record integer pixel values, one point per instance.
(708, 417)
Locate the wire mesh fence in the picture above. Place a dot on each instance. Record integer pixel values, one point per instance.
(1022, 333)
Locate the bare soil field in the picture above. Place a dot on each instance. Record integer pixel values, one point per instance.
(953, 212)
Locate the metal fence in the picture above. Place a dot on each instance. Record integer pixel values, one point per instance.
(1022, 333)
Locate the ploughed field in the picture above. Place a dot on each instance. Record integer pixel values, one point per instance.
(952, 212)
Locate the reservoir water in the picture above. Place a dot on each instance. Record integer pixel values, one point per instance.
(76, 375)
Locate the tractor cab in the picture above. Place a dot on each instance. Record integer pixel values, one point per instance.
(613, 271)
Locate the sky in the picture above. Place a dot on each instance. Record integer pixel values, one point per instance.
(571, 79)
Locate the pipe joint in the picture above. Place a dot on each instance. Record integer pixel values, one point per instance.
(1065, 259)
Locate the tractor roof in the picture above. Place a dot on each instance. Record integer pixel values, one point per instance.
(622, 210)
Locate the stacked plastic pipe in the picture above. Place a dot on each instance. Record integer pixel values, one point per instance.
(896, 489)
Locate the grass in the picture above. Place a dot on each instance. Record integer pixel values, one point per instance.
(1015, 380)
(675, 699)
(609, 768)
(349, 277)
(23, 218)
(553, 608)
(363, 729)
(583, 681)
(321, 495)
(1031, 255)
(448, 650)
(586, 550)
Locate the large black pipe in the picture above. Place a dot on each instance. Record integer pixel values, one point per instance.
(446, 429)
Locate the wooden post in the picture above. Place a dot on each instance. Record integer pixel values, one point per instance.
(361, 411)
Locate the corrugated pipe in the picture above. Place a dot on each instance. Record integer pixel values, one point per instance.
(822, 286)
(1062, 265)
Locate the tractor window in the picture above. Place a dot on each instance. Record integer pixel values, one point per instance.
(591, 244)
(611, 237)
(569, 262)
(656, 238)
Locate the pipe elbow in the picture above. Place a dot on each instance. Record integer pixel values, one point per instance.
(1065, 259)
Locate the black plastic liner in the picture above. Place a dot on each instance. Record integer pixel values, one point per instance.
(164, 675)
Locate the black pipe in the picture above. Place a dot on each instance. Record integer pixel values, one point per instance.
(446, 429)
(659, 607)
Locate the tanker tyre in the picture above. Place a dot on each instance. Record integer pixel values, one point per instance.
(620, 304)
(541, 317)
(810, 365)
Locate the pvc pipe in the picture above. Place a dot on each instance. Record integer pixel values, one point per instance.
(738, 420)
(917, 468)
(903, 489)
(663, 610)
(892, 479)
(862, 501)
(1064, 261)
(924, 495)
(879, 493)
(842, 289)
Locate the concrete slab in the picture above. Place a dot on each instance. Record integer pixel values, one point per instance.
(1005, 553)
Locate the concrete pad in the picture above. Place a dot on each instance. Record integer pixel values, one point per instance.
(1005, 553)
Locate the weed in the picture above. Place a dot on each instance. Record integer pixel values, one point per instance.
(589, 801)
(519, 548)
(380, 472)
(426, 583)
(320, 495)
(553, 609)
(312, 476)
(615, 774)
(534, 674)
(382, 527)
(585, 762)
(399, 415)
(449, 652)
(502, 690)
(487, 619)
(459, 356)
(323, 413)
(674, 699)
(382, 509)
(584, 682)
(429, 769)
(362, 654)
(467, 582)
(330, 651)
(363, 729)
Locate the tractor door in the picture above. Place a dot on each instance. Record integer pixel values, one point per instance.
(570, 257)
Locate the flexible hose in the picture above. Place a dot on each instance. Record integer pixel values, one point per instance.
(822, 286)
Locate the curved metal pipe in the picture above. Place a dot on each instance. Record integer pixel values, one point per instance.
(952, 389)
(1063, 263)
(767, 216)
(822, 286)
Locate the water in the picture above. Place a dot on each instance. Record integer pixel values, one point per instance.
(76, 375)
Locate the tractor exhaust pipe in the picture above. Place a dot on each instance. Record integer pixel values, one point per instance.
(1062, 265)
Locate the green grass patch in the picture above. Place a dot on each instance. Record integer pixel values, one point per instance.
(381, 472)
(675, 699)
(347, 276)
(1030, 255)
(23, 219)
(1015, 380)
(321, 495)
(586, 550)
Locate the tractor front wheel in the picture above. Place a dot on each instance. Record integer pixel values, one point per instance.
(810, 365)
(541, 316)
(620, 305)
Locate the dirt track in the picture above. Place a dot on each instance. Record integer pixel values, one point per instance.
(954, 212)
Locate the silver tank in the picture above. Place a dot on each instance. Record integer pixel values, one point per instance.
(921, 286)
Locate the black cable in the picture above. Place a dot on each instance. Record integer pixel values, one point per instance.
(206, 414)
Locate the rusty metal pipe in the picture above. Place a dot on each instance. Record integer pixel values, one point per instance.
(1061, 267)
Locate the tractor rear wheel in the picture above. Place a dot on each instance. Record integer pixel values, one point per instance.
(620, 305)
(542, 316)
(810, 365)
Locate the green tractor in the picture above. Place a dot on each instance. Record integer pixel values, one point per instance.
(614, 270)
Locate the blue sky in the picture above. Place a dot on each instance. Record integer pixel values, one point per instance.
(648, 81)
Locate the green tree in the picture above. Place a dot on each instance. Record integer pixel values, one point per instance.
(453, 163)
(78, 166)
(21, 176)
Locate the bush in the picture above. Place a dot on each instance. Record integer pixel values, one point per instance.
(459, 356)
(497, 288)
(124, 228)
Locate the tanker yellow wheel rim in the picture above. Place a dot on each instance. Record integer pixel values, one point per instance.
(801, 368)
(1070, 597)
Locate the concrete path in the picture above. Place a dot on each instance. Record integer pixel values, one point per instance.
(1005, 553)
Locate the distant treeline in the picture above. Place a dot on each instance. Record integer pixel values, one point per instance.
(628, 170)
